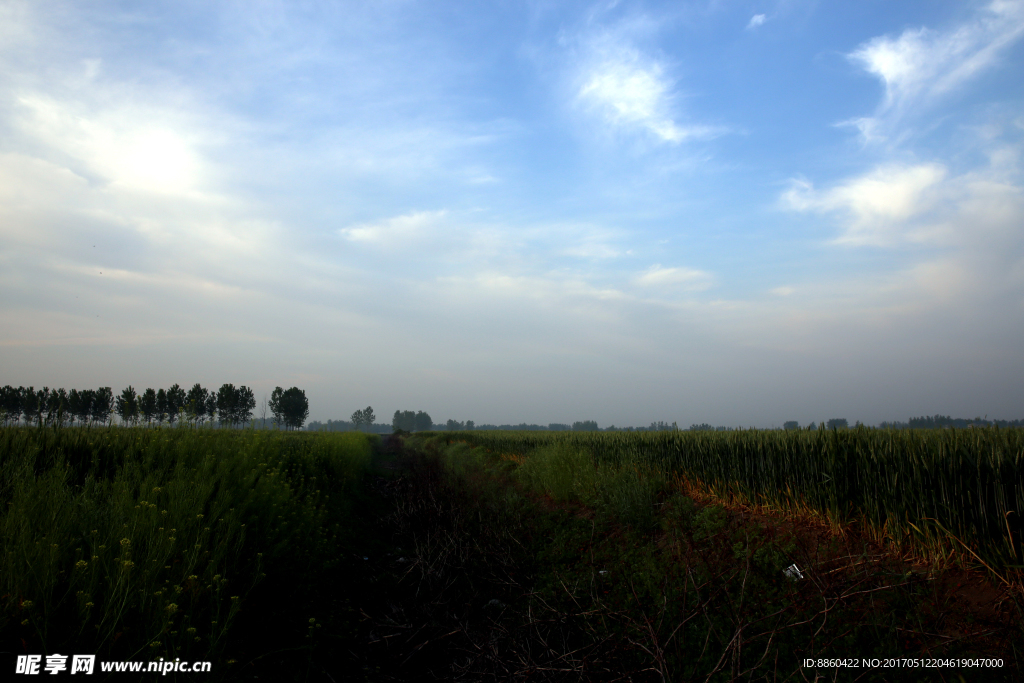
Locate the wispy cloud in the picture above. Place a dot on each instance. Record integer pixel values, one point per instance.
(631, 93)
(970, 224)
(756, 20)
(629, 87)
(687, 278)
(403, 231)
(878, 207)
(923, 64)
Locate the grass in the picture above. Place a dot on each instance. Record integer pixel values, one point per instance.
(943, 494)
(319, 557)
(598, 573)
(145, 543)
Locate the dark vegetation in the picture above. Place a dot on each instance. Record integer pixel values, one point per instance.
(478, 556)
(491, 579)
(134, 544)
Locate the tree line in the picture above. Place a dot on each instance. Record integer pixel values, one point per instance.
(408, 421)
(945, 422)
(229, 406)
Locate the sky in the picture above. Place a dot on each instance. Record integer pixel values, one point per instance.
(732, 212)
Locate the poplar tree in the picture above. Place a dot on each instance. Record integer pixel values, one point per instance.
(195, 403)
(246, 404)
(161, 406)
(10, 403)
(175, 403)
(29, 404)
(103, 405)
(127, 406)
(86, 398)
(276, 409)
(147, 405)
(227, 404)
(57, 407)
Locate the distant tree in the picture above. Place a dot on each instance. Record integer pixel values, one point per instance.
(42, 415)
(195, 403)
(161, 406)
(276, 408)
(558, 427)
(837, 423)
(423, 422)
(470, 425)
(57, 412)
(147, 405)
(363, 418)
(56, 404)
(811, 427)
(48, 405)
(792, 424)
(39, 405)
(404, 420)
(10, 404)
(454, 425)
(245, 405)
(210, 406)
(176, 400)
(294, 407)
(42, 398)
(103, 405)
(29, 404)
(585, 426)
(87, 400)
(227, 404)
(74, 404)
(127, 406)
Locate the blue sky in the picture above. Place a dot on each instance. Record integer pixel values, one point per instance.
(730, 212)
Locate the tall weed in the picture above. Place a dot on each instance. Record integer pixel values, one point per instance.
(146, 542)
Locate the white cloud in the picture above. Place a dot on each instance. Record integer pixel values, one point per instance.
(396, 232)
(659, 276)
(632, 91)
(878, 207)
(756, 20)
(923, 64)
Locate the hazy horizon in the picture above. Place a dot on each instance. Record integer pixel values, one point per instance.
(703, 212)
